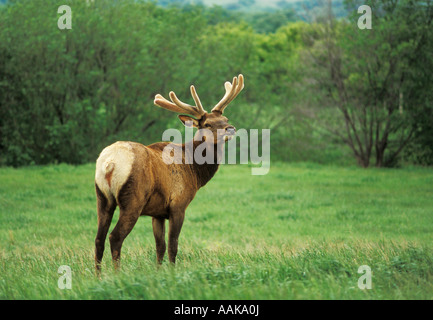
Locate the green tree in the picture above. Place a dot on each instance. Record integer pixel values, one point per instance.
(366, 78)
(67, 93)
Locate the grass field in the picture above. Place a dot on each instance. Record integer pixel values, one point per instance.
(300, 232)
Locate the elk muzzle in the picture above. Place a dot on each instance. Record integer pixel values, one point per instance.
(230, 130)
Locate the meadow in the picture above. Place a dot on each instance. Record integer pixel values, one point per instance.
(299, 232)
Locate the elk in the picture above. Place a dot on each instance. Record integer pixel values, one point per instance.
(137, 179)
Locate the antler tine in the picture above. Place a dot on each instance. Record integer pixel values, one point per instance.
(197, 111)
(162, 102)
(175, 105)
(230, 87)
(232, 90)
(178, 106)
(239, 88)
(197, 100)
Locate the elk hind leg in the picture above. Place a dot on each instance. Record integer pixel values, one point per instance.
(127, 218)
(106, 208)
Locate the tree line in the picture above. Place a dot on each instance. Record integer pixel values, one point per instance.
(329, 92)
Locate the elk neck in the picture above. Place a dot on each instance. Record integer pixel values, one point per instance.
(204, 172)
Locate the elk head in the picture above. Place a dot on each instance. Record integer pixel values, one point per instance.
(214, 122)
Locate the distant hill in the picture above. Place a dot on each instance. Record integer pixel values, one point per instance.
(301, 7)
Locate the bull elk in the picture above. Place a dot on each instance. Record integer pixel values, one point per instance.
(137, 179)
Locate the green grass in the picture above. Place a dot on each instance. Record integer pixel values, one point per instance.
(300, 232)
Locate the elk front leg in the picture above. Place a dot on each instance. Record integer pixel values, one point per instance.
(175, 225)
(159, 234)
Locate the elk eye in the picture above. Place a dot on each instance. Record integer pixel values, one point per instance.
(207, 125)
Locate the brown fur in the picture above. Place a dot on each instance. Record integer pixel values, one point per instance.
(108, 177)
(152, 188)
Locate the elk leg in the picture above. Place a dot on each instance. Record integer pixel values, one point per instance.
(105, 215)
(175, 225)
(127, 219)
(159, 234)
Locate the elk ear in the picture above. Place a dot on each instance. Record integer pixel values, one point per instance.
(189, 121)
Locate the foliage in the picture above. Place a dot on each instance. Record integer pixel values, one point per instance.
(371, 82)
(68, 93)
(268, 22)
(65, 94)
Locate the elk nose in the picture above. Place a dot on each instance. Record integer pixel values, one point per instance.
(231, 130)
